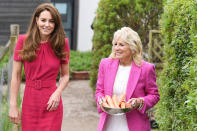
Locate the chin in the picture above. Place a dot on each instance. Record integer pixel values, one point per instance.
(118, 57)
(46, 34)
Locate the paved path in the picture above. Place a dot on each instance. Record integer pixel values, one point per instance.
(79, 107)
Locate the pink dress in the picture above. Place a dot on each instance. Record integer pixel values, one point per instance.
(40, 77)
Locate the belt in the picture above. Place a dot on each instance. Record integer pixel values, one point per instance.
(38, 84)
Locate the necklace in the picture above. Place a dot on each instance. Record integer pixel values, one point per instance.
(43, 41)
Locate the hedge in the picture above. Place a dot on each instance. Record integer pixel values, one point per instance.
(177, 109)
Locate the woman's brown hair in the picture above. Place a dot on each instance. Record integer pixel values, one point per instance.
(56, 39)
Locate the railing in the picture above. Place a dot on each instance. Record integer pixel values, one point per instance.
(5, 89)
(155, 48)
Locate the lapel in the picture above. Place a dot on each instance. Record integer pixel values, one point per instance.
(113, 68)
(133, 79)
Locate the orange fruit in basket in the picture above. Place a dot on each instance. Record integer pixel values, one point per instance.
(123, 105)
(128, 105)
(109, 101)
(115, 101)
(105, 104)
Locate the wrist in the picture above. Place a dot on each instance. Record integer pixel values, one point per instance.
(141, 103)
(59, 91)
(13, 104)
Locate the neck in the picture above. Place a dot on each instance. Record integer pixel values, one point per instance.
(125, 62)
(44, 39)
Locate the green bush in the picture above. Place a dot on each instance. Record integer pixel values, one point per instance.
(177, 108)
(80, 61)
(114, 14)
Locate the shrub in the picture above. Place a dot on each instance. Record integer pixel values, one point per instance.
(114, 14)
(80, 61)
(178, 82)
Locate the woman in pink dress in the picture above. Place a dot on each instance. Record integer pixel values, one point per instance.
(43, 51)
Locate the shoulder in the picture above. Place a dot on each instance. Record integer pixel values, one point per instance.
(66, 41)
(22, 36)
(147, 66)
(20, 41)
(108, 60)
(66, 46)
(148, 69)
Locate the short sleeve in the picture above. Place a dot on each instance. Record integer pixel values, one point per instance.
(19, 46)
(67, 50)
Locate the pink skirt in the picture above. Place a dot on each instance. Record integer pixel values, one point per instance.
(34, 115)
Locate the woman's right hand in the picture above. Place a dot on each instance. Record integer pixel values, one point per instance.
(14, 114)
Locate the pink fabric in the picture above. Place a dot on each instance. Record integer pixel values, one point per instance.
(141, 83)
(45, 67)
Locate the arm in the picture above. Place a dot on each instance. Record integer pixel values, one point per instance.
(15, 84)
(64, 77)
(100, 86)
(63, 82)
(151, 90)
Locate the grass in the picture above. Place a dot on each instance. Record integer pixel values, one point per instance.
(5, 122)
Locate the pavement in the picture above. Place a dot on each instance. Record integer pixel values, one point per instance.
(80, 112)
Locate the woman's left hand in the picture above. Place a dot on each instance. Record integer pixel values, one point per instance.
(54, 100)
(136, 102)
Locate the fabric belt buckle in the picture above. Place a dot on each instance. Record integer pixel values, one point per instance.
(38, 85)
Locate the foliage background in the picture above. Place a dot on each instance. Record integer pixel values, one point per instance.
(177, 109)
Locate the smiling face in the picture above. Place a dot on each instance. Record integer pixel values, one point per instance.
(45, 24)
(122, 50)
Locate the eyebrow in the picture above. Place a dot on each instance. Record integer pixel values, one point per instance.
(45, 18)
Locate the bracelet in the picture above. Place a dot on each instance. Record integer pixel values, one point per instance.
(141, 103)
(100, 100)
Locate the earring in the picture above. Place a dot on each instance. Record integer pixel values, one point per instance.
(132, 52)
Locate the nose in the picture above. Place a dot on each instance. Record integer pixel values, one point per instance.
(117, 47)
(47, 23)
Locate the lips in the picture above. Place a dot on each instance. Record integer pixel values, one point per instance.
(118, 53)
(46, 29)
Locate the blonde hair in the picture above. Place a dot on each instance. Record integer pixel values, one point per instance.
(132, 38)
